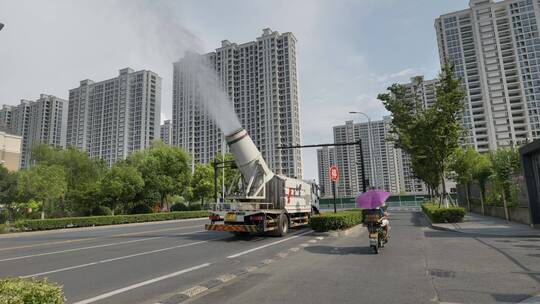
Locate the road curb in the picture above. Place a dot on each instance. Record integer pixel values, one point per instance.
(8, 235)
(436, 227)
(353, 231)
(211, 284)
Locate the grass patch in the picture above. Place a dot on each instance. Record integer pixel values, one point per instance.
(443, 215)
(335, 221)
(89, 221)
(30, 291)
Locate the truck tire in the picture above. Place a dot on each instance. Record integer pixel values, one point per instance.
(283, 226)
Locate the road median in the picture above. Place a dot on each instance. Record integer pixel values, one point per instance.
(92, 221)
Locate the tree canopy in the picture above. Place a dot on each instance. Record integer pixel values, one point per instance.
(164, 169)
(430, 135)
(121, 184)
(43, 183)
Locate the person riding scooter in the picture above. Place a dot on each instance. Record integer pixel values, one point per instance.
(381, 216)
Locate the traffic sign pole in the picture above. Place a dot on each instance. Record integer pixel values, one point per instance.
(334, 193)
(334, 177)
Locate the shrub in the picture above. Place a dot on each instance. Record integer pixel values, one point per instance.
(101, 210)
(4, 216)
(443, 215)
(335, 221)
(141, 209)
(194, 207)
(22, 291)
(69, 222)
(179, 207)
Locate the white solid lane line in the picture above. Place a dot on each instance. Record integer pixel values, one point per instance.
(90, 247)
(115, 259)
(77, 249)
(127, 288)
(267, 245)
(86, 239)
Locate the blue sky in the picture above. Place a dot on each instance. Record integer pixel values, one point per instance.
(348, 51)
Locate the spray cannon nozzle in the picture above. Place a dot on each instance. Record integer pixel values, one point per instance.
(236, 136)
(249, 161)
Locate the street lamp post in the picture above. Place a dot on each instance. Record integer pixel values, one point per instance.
(370, 146)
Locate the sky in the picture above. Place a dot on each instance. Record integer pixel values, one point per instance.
(347, 51)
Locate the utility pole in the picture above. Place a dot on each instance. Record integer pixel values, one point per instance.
(362, 167)
(215, 181)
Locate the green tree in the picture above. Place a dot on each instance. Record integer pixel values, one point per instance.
(506, 164)
(446, 120)
(121, 184)
(482, 173)
(202, 183)
(8, 190)
(462, 164)
(428, 135)
(42, 183)
(164, 169)
(82, 175)
(425, 167)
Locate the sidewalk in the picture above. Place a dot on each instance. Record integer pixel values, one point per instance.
(486, 225)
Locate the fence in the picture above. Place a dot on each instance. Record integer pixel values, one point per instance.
(394, 202)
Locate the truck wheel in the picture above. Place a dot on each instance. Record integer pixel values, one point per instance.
(283, 227)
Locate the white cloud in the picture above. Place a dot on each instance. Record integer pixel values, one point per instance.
(408, 72)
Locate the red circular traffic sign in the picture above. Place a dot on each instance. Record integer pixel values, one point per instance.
(334, 173)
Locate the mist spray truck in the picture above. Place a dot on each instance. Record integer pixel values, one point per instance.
(268, 203)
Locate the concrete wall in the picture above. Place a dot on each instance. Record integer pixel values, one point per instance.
(516, 214)
(519, 213)
(474, 192)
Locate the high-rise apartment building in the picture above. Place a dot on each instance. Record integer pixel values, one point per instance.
(380, 157)
(261, 80)
(39, 122)
(166, 132)
(424, 91)
(385, 166)
(5, 117)
(495, 48)
(112, 118)
(326, 157)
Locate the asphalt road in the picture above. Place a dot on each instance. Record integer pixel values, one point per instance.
(149, 263)
(419, 265)
(143, 263)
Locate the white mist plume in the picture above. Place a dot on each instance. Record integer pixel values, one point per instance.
(211, 96)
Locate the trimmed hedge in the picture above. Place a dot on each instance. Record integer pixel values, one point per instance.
(30, 291)
(335, 221)
(70, 222)
(443, 215)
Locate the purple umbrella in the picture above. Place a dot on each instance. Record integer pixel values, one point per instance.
(372, 199)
